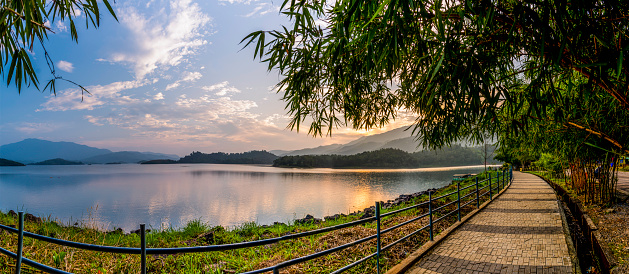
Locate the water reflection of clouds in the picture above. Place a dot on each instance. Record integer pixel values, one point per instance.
(171, 195)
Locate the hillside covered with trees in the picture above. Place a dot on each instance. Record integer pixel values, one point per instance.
(387, 158)
(251, 157)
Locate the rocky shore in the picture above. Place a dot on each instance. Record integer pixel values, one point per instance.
(363, 214)
(367, 212)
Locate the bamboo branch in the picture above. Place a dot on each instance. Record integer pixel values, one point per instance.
(24, 18)
(600, 135)
(624, 102)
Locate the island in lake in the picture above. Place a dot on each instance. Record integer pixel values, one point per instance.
(5, 162)
(259, 157)
(387, 158)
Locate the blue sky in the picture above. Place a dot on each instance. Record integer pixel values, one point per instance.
(169, 77)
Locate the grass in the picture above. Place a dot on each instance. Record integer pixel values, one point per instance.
(197, 233)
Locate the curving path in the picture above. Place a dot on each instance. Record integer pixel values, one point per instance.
(519, 232)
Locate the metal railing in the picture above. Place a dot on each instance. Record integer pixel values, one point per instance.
(481, 188)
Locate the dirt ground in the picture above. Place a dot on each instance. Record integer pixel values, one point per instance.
(613, 224)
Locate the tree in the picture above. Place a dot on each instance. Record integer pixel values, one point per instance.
(455, 64)
(25, 24)
(488, 151)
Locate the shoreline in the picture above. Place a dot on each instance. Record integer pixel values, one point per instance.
(196, 233)
(103, 220)
(309, 218)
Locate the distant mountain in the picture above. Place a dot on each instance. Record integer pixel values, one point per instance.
(162, 155)
(399, 138)
(127, 157)
(398, 133)
(36, 150)
(57, 161)
(279, 152)
(329, 149)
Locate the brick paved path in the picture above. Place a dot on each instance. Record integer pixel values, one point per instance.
(520, 232)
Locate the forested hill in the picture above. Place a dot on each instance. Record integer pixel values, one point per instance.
(251, 157)
(387, 158)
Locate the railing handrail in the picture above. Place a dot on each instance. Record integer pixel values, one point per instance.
(144, 251)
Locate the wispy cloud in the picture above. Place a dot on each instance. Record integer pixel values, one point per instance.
(65, 66)
(92, 120)
(246, 2)
(163, 39)
(74, 99)
(262, 9)
(159, 96)
(188, 77)
(32, 128)
(259, 8)
(172, 85)
(222, 88)
(188, 118)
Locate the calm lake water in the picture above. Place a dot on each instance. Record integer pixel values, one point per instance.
(162, 196)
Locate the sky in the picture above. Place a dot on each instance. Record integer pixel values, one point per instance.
(168, 77)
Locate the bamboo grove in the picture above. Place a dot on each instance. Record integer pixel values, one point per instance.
(544, 76)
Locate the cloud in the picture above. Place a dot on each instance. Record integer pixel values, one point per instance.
(259, 8)
(60, 27)
(163, 39)
(65, 66)
(222, 88)
(262, 9)
(245, 2)
(159, 96)
(92, 120)
(188, 118)
(188, 77)
(254, 12)
(31, 128)
(172, 86)
(75, 99)
(192, 76)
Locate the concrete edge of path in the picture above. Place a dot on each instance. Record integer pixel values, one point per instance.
(572, 250)
(622, 195)
(599, 246)
(407, 263)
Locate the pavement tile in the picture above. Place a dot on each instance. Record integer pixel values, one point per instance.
(519, 232)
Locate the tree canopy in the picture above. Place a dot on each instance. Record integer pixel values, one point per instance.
(25, 24)
(465, 68)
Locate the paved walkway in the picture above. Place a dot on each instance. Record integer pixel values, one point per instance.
(623, 181)
(519, 232)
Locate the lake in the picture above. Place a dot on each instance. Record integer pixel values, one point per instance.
(162, 196)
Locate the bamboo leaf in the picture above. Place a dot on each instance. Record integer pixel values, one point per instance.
(111, 10)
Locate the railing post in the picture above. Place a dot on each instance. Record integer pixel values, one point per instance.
(378, 236)
(490, 190)
(20, 242)
(276, 270)
(430, 212)
(143, 247)
(504, 179)
(458, 198)
(477, 198)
